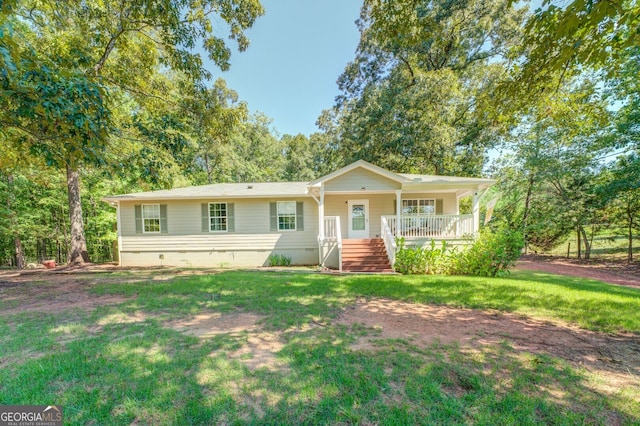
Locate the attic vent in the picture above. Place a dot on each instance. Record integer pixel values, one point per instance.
(250, 187)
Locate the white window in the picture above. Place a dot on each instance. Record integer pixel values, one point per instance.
(286, 215)
(218, 217)
(424, 206)
(151, 218)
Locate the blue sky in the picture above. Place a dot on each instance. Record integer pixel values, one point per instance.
(298, 50)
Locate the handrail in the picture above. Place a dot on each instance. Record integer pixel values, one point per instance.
(432, 226)
(339, 240)
(389, 240)
(333, 234)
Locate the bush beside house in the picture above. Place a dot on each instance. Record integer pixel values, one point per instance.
(491, 254)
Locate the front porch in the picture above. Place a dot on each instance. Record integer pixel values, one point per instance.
(365, 202)
(417, 230)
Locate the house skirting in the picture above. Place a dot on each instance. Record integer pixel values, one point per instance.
(426, 242)
(216, 258)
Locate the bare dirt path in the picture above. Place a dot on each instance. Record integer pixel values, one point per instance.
(67, 287)
(615, 357)
(619, 273)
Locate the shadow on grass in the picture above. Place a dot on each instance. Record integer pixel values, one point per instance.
(118, 372)
(290, 300)
(148, 374)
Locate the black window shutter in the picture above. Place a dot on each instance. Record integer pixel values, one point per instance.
(138, 210)
(163, 219)
(299, 216)
(205, 217)
(273, 210)
(231, 226)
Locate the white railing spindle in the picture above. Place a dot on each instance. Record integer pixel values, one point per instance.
(432, 226)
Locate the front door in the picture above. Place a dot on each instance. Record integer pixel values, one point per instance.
(358, 218)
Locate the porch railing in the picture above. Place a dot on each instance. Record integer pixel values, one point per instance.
(333, 234)
(331, 228)
(389, 240)
(432, 226)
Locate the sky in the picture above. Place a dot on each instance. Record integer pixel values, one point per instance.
(298, 50)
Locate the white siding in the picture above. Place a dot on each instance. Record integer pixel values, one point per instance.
(379, 205)
(360, 178)
(250, 245)
(449, 202)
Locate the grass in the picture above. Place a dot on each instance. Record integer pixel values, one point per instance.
(106, 371)
(606, 244)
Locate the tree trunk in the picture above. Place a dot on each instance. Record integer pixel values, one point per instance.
(525, 215)
(630, 235)
(208, 166)
(587, 244)
(20, 264)
(17, 244)
(579, 244)
(78, 253)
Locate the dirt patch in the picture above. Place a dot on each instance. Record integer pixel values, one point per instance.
(260, 352)
(52, 297)
(615, 356)
(65, 288)
(214, 323)
(619, 273)
(260, 348)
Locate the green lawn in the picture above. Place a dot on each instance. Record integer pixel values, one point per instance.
(606, 244)
(122, 363)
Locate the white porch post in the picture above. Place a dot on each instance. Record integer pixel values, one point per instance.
(398, 212)
(476, 211)
(321, 212)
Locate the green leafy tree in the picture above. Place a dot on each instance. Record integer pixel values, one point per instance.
(418, 94)
(553, 163)
(129, 42)
(565, 37)
(622, 190)
(302, 158)
(215, 115)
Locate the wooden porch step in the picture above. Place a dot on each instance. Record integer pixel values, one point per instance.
(375, 242)
(369, 270)
(365, 255)
(365, 260)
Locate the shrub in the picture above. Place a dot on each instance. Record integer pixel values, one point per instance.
(279, 260)
(418, 260)
(491, 254)
(410, 260)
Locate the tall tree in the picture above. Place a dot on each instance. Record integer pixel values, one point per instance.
(129, 41)
(415, 98)
(621, 189)
(562, 37)
(550, 176)
(216, 115)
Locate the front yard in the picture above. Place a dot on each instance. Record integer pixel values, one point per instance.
(191, 347)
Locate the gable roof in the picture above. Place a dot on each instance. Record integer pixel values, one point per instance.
(445, 179)
(220, 190)
(359, 164)
(301, 189)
